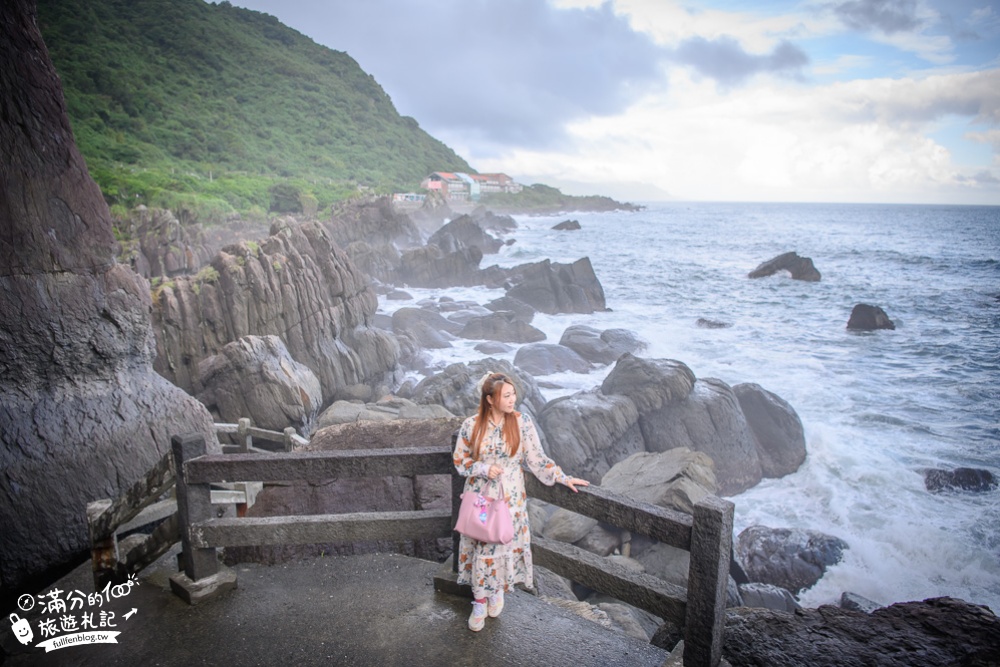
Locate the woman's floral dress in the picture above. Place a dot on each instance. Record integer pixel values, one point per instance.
(488, 567)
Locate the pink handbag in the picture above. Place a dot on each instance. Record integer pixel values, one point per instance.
(485, 519)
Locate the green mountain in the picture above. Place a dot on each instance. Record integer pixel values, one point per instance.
(209, 108)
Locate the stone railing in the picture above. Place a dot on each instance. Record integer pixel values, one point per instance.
(202, 532)
(141, 505)
(707, 534)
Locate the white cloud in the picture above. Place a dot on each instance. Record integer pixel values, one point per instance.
(858, 141)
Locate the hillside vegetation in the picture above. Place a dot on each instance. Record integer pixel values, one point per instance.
(208, 109)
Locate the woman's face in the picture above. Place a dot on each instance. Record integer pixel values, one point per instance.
(508, 397)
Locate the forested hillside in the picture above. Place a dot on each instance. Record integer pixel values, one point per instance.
(210, 108)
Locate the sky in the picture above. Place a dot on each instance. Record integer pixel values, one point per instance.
(894, 101)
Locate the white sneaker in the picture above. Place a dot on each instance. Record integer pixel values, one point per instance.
(495, 604)
(478, 618)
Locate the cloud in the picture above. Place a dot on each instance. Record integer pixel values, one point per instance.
(724, 60)
(888, 16)
(975, 95)
(778, 141)
(487, 72)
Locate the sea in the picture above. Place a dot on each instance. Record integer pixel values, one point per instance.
(878, 407)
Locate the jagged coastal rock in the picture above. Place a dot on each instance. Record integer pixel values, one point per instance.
(600, 347)
(296, 284)
(502, 326)
(800, 268)
(962, 479)
(463, 232)
(256, 377)
(551, 287)
(865, 317)
(567, 226)
(656, 405)
(82, 413)
(546, 358)
(776, 428)
(937, 632)
(791, 558)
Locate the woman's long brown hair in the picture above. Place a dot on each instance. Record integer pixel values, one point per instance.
(492, 387)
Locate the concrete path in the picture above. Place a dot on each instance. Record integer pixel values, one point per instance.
(355, 610)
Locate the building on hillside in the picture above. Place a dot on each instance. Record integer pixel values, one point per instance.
(467, 187)
(496, 183)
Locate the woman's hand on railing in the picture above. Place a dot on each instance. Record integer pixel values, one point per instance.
(573, 482)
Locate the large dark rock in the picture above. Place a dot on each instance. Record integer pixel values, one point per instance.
(865, 317)
(776, 428)
(800, 268)
(558, 288)
(546, 358)
(462, 233)
(428, 329)
(256, 377)
(964, 479)
(492, 222)
(588, 432)
(676, 479)
(600, 347)
(649, 383)
(521, 310)
(790, 558)
(430, 266)
(938, 632)
(567, 226)
(709, 420)
(455, 387)
(82, 413)
(502, 326)
(296, 284)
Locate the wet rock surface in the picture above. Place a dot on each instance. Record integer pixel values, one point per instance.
(600, 347)
(961, 479)
(865, 317)
(800, 268)
(794, 559)
(938, 632)
(776, 428)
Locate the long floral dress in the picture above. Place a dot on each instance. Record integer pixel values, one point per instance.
(488, 567)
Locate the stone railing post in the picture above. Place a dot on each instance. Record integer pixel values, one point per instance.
(289, 443)
(711, 544)
(194, 503)
(243, 434)
(457, 486)
(202, 576)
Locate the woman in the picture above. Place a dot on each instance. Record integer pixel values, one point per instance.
(492, 446)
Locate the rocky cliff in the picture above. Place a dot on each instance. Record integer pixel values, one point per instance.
(82, 413)
(296, 284)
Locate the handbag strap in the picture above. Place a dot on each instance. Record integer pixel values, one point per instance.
(499, 479)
